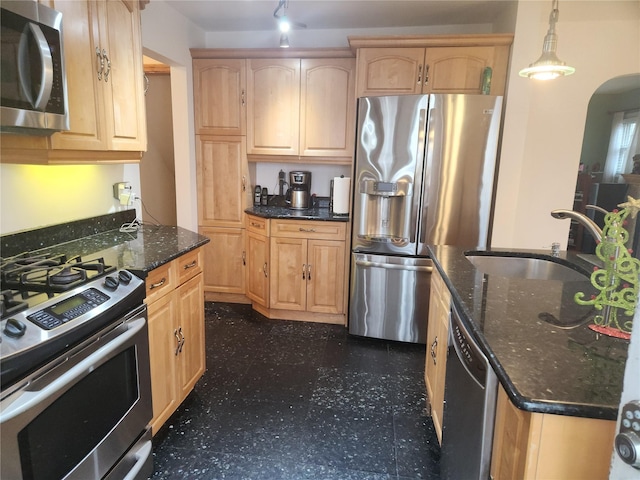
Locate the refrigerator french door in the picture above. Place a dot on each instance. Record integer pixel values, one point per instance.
(423, 174)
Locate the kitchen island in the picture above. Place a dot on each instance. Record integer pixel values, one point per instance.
(558, 379)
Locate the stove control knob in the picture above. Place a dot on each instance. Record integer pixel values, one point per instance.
(14, 328)
(111, 282)
(124, 276)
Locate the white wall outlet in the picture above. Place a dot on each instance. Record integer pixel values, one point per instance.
(120, 188)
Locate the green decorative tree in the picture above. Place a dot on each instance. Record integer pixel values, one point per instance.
(618, 281)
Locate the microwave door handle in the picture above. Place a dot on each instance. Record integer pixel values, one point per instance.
(46, 78)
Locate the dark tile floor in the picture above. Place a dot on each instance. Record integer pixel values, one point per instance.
(297, 400)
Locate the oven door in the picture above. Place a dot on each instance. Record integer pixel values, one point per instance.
(80, 416)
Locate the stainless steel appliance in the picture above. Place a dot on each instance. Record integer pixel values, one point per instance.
(33, 88)
(469, 410)
(423, 174)
(299, 189)
(74, 367)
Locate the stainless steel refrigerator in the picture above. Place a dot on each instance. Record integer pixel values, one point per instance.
(423, 174)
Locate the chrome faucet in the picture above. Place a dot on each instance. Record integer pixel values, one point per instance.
(581, 218)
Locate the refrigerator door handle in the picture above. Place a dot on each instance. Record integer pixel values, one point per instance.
(391, 266)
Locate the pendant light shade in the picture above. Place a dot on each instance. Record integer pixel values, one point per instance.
(284, 40)
(548, 66)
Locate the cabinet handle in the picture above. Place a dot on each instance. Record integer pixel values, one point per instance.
(106, 74)
(434, 345)
(242, 97)
(159, 284)
(182, 340)
(190, 265)
(264, 269)
(426, 74)
(100, 63)
(257, 225)
(244, 258)
(309, 230)
(309, 272)
(175, 334)
(419, 74)
(304, 270)
(244, 183)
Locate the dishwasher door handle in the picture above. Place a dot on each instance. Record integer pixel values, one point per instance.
(394, 266)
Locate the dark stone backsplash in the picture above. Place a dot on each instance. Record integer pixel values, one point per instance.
(43, 237)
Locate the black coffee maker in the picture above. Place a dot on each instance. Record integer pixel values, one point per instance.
(299, 189)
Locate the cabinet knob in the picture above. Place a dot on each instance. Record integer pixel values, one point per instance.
(426, 74)
(190, 265)
(264, 269)
(304, 269)
(244, 258)
(100, 63)
(307, 230)
(309, 272)
(106, 57)
(178, 345)
(419, 74)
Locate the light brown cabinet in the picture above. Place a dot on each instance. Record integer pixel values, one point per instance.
(430, 64)
(175, 303)
(105, 89)
(296, 269)
(220, 91)
(437, 339)
(301, 107)
(307, 266)
(224, 192)
(537, 446)
(258, 260)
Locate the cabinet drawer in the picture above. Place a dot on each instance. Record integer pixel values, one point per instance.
(308, 229)
(160, 281)
(189, 265)
(258, 225)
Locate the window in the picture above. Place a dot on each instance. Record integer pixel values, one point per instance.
(623, 145)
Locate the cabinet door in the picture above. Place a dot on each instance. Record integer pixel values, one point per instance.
(288, 283)
(273, 109)
(437, 341)
(85, 93)
(456, 69)
(390, 71)
(223, 184)
(224, 260)
(163, 345)
(327, 107)
(325, 276)
(125, 113)
(191, 357)
(258, 268)
(219, 88)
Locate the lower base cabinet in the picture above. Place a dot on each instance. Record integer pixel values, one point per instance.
(175, 303)
(437, 340)
(542, 446)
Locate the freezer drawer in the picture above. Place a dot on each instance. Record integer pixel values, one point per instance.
(389, 297)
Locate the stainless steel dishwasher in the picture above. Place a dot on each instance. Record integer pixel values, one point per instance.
(469, 410)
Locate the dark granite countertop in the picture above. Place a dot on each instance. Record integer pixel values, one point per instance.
(318, 213)
(543, 367)
(139, 251)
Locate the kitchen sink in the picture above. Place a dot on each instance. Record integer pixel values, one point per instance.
(528, 268)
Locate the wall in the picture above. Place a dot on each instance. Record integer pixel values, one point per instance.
(158, 20)
(544, 121)
(36, 196)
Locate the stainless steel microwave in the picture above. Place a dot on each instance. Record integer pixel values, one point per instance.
(33, 87)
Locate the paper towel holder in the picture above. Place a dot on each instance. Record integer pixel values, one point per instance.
(332, 191)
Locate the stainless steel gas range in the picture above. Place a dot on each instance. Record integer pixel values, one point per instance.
(74, 368)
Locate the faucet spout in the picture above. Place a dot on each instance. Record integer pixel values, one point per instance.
(591, 226)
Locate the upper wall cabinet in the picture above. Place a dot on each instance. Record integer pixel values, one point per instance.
(430, 64)
(104, 76)
(302, 107)
(105, 88)
(273, 112)
(219, 90)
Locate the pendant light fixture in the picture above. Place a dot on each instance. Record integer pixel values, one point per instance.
(284, 23)
(548, 66)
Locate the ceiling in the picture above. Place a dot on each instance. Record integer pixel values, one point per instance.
(252, 15)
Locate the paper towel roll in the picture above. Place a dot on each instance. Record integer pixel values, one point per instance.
(341, 190)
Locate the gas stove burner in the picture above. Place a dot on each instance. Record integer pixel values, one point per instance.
(9, 304)
(48, 273)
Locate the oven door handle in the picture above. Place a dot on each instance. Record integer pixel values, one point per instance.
(142, 454)
(41, 398)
